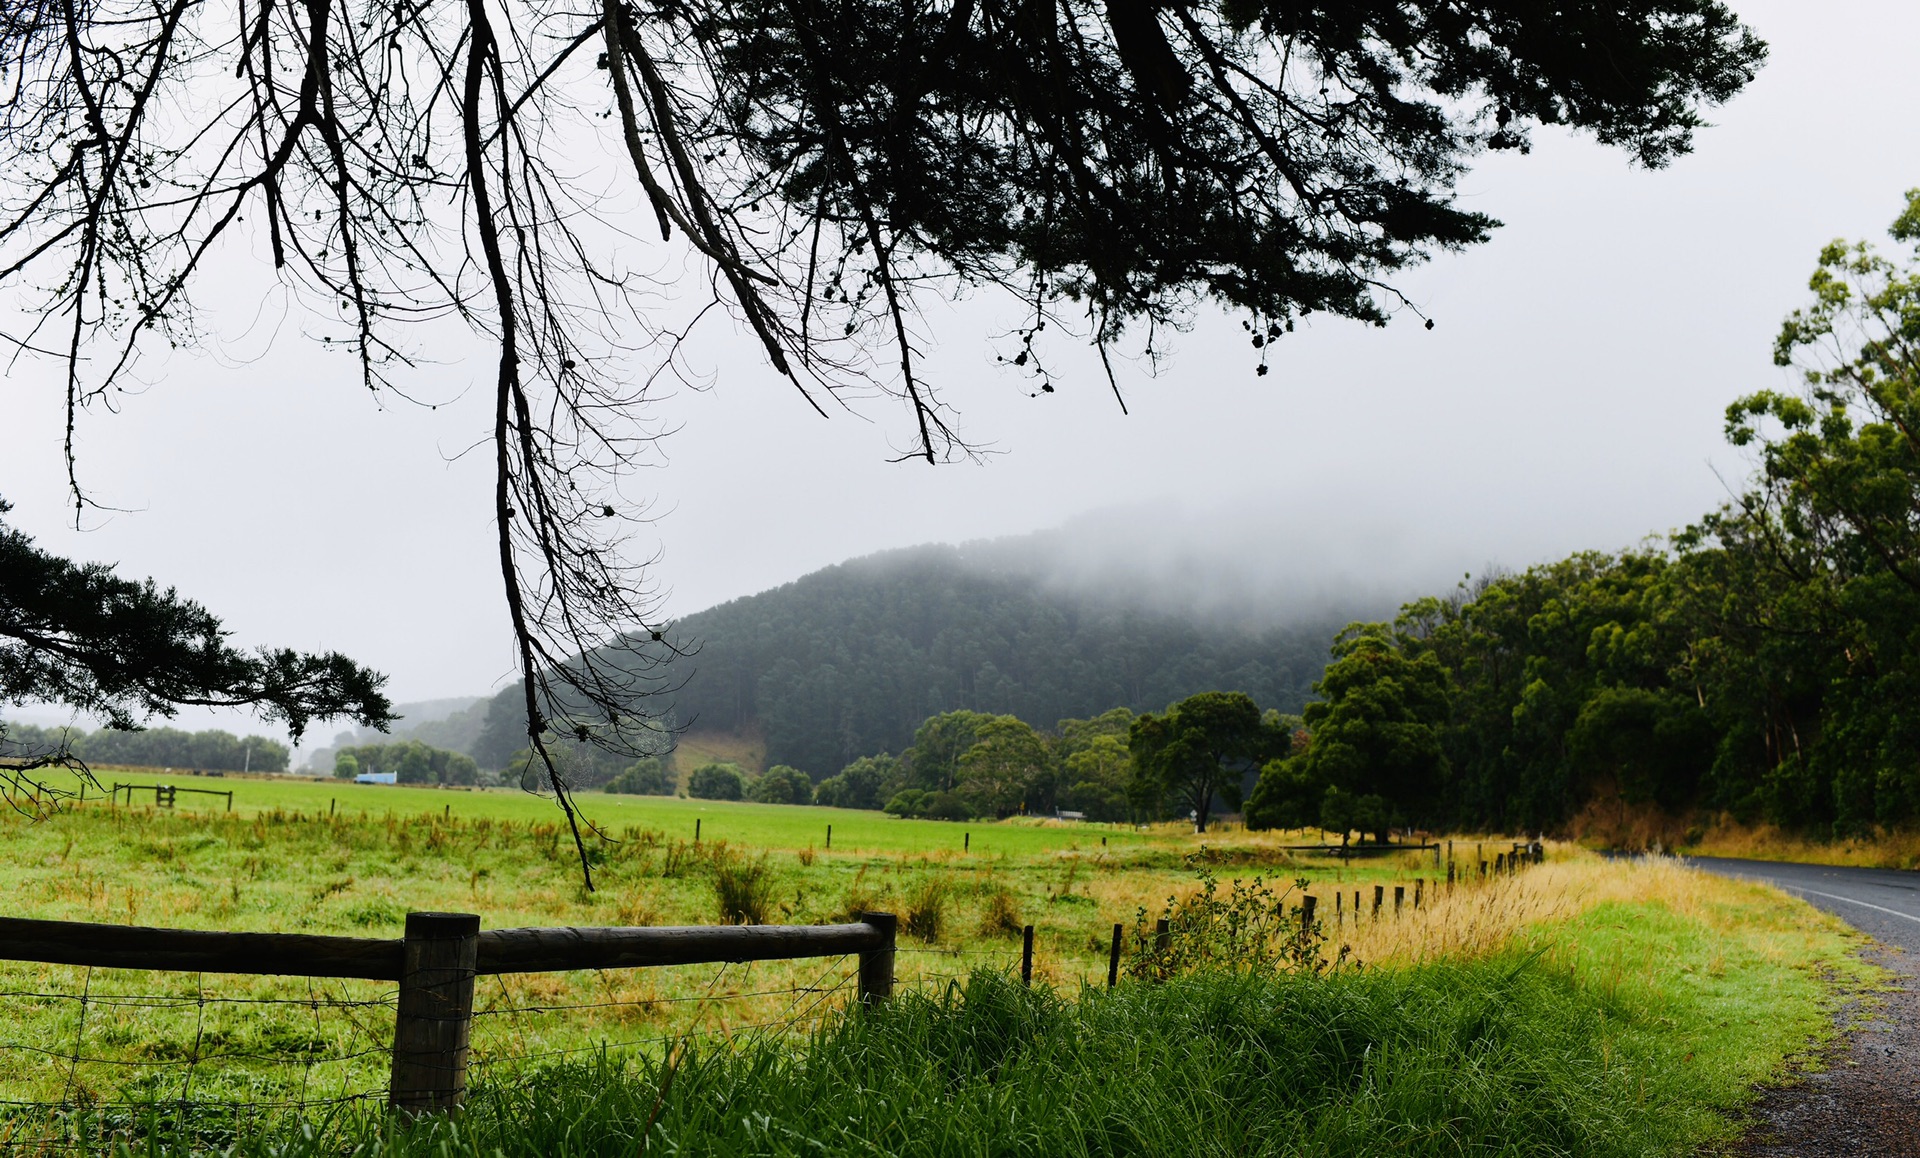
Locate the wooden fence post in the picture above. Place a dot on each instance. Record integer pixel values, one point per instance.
(1379, 894)
(876, 965)
(1162, 937)
(829, 838)
(1307, 904)
(1026, 955)
(1399, 898)
(1113, 958)
(439, 957)
(1419, 886)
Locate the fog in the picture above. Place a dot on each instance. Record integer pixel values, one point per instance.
(1569, 397)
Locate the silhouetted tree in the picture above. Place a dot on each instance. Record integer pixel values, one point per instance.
(78, 635)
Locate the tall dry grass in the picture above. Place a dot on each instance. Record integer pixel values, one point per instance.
(1478, 918)
(1892, 850)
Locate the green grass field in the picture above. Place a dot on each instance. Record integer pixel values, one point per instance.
(784, 827)
(1736, 969)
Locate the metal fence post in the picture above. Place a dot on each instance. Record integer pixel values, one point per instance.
(439, 955)
(876, 965)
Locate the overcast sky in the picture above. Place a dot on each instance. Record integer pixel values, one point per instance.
(1570, 396)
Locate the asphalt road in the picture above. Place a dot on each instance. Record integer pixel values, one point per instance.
(1883, 903)
(1862, 1102)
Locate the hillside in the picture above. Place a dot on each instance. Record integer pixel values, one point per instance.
(849, 660)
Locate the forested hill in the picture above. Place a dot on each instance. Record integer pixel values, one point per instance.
(847, 661)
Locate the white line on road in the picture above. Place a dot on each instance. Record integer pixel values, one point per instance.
(1837, 897)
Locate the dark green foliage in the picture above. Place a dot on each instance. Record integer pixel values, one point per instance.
(915, 804)
(644, 777)
(716, 781)
(211, 750)
(851, 660)
(1376, 742)
(414, 762)
(939, 744)
(1131, 156)
(781, 785)
(868, 782)
(1009, 768)
(1206, 745)
(580, 763)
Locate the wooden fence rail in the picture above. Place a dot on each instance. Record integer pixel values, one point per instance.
(435, 964)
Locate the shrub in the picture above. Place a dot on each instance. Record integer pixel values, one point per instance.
(907, 803)
(644, 777)
(345, 766)
(866, 783)
(916, 804)
(782, 785)
(742, 887)
(716, 782)
(927, 907)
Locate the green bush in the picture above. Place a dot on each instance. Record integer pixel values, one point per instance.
(781, 785)
(644, 777)
(866, 783)
(716, 782)
(913, 804)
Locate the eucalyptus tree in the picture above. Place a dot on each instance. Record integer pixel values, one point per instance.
(823, 164)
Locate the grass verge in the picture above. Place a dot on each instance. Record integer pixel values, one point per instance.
(1637, 1025)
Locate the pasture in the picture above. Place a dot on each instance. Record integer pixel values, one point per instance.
(313, 856)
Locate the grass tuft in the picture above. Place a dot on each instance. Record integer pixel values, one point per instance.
(927, 907)
(742, 887)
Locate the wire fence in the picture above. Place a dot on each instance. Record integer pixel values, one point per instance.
(91, 1054)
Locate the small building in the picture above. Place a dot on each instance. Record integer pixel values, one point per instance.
(377, 778)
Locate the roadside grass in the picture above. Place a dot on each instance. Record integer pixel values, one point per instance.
(1635, 1030)
(1889, 850)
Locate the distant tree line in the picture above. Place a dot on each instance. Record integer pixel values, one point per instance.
(1763, 663)
(411, 762)
(214, 750)
(965, 764)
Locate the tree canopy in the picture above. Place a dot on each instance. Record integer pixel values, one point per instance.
(1201, 747)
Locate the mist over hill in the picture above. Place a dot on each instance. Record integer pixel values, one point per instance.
(847, 661)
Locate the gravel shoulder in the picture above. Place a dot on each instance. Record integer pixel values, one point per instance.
(1865, 1100)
